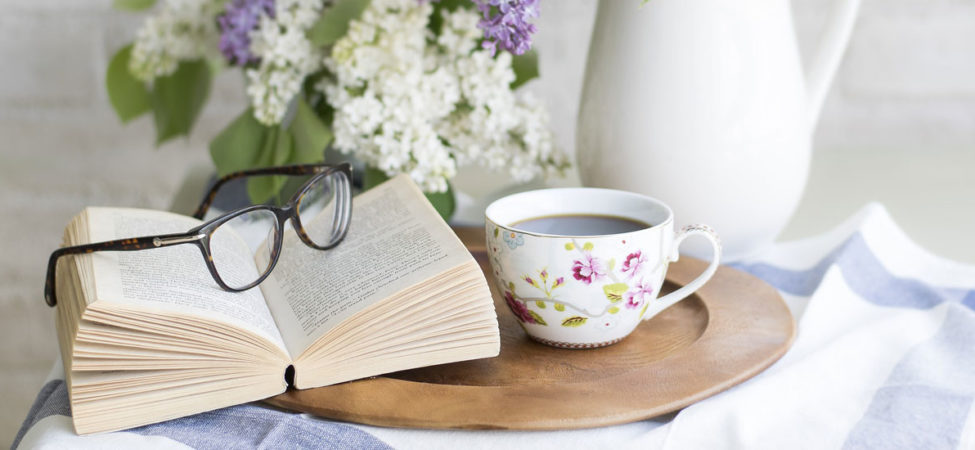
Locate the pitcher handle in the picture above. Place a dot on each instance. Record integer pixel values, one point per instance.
(706, 232)
(830, 50)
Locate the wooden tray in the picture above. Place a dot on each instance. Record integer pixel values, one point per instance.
(730, 330)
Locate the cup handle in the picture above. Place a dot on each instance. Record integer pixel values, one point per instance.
(666, 301)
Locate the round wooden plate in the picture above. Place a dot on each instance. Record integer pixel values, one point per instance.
(731, 329)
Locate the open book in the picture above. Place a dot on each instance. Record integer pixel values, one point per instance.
(148, 336)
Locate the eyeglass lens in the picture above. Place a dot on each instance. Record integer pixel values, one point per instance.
(322, 208)
(230, 250)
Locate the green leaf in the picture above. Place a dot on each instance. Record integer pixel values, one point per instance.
(611, 264)
(525, 67)
(277, 149)
(373, 177)
(311, 137)
(334, 22)
(443, 202)
(436, 19)
(247, 144)
(538, 318)
(574, 321)
(540, 304)
(587, 246)
(132, 5)
(178, 98)
(614, 292)
(644, 310)
(613, 310)
(128, 95)
(559, 307)
(310, 134)
(239, 145)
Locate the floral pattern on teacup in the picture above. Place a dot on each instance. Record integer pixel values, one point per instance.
(542, 283)
(608, 323)
(521, 311)
(640, 294)
(514, 240)
(633, 263)
(588, 268)
(585, 266)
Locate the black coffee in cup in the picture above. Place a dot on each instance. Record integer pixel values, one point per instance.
(579, 225)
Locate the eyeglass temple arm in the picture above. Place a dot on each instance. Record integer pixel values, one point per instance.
(296, 170)
(138, 243)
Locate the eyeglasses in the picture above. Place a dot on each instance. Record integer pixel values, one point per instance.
(320, 212)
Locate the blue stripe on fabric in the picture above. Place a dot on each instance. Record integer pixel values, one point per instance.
(925, 401)
(241, 426)
(51, 400)
(795, 282)
(969, 300)
(252, 426)
(865, 275)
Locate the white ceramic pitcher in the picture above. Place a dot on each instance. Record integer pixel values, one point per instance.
(703, 104)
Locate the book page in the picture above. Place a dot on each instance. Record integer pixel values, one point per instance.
(396, 239)
(175, 277)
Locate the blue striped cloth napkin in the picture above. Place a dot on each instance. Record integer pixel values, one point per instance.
(884, 358)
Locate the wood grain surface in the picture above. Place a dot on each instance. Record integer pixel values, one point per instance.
(731, 329)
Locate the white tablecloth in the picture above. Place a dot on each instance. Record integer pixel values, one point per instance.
(884, 358)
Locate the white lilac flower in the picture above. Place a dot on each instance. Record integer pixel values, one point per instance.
(406, 104)
(181, 30)
(298, 13)
(286, 57)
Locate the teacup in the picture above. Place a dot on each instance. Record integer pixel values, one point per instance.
(587, 291)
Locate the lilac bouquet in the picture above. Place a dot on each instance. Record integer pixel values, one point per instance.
(407, 86)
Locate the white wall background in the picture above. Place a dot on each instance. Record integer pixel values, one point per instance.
(899, 126)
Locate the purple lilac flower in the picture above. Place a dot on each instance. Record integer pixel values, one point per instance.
(510, 27)
(236, 23)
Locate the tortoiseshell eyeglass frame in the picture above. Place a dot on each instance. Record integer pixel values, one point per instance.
(200, 235)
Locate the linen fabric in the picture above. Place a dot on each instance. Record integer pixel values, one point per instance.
(884, 358)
